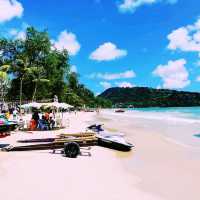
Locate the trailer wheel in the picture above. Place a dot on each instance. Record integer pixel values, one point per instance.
(71, 149)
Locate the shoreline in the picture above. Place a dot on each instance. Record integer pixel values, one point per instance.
(165, 126)
(165, 168)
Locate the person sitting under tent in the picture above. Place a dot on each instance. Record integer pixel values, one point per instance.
(46, 115)
(43, 124)
(51, 123)
(15, 114)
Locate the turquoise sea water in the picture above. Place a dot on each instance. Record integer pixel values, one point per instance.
(178, 124)
(187, 112)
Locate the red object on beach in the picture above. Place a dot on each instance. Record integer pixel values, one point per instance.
(32, 125)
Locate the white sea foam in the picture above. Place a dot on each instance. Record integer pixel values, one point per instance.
(182, 144)
(179, 128)
(167, 116)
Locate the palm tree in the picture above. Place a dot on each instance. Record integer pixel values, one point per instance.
(21, 68)
(4, 80)
(38, 74)
(73, 81)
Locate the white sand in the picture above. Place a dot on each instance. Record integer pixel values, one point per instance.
(155, 169)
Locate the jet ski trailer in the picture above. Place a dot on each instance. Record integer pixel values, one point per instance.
(57, 143)
(116, 142)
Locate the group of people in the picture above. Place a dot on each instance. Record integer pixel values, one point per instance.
(44, 121)
(9, 112)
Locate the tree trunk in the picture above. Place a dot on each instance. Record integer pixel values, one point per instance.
(1, 87)
(35, 90)
(20, 97)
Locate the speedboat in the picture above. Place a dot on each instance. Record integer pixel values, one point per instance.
(119, 111)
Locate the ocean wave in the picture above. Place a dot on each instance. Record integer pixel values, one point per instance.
(167, 116)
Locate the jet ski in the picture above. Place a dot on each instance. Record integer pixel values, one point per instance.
(116, 142)
(110, 140)
(96, 127)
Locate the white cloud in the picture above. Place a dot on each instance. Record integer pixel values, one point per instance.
(114, 76)
(21, 35)
(158, 87)
(13, 32)
(10, 9)
(124, 84)
(132, 5)
(174, 75)
(74, 69)
(198, 79)
(107, 51)
(185, 38)
(97, 94)
(18, 34)
(67, 40)
(105, 84)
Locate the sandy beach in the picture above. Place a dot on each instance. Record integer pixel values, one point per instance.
(156, 168)
(165, 168)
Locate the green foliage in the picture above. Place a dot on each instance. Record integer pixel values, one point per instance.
(39, 72)
(149, 97)
(77, 94)
(4, 81)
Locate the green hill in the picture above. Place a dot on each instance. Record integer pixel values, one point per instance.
(149, 97)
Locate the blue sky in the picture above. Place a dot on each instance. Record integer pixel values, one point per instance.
(124, 43)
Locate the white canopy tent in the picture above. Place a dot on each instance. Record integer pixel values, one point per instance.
(31, 105)
(47, 105)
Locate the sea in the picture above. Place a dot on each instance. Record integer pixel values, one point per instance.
(180, 125)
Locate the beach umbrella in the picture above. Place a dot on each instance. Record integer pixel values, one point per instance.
(31, 105)
(57, 105)
(65, 105)
(51, 105)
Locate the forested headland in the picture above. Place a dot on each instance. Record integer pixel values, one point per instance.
(150, 97)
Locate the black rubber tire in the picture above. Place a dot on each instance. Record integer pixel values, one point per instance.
(71, 149)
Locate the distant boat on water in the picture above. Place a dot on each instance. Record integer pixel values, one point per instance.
(119, 111)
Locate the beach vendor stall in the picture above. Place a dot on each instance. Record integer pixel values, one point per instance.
(52, 115)
(55, 113)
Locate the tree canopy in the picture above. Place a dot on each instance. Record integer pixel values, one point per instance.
(39, 71)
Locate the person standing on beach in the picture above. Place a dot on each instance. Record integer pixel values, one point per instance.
(15, 114)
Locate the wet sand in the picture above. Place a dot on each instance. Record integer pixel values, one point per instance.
(164, 168)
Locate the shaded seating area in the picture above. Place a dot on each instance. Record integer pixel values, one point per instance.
(44, 123)
(45, 116)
